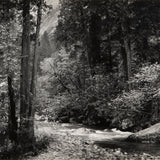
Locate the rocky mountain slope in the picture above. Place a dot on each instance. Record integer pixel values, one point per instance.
(50, 20)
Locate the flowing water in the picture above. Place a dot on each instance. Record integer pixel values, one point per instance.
(113, 139)
(130, 147)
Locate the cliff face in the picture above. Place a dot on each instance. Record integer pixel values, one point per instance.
(54, 3)
(48, 26)
(50, 21)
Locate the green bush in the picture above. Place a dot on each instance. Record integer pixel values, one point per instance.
(72, 94)
(135, 110)
(131, 111)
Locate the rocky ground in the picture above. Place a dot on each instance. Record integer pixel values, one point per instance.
(65, 146)
(148, 135)
(73, 144)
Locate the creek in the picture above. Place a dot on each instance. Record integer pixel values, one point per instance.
(112, 139)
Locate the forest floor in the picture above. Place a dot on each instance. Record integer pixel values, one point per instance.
(66, 146)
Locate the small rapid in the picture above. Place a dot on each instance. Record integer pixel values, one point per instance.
(112, 139)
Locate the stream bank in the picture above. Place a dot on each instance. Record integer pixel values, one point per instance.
(75, 142)
(149, 135)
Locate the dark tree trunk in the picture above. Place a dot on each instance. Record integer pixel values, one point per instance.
(94, 39)
(34, 68)
(109, 48)
(124, 61)
(145, 48)
(12, 119)
(95, 29)
(126, 51)
(26, 138)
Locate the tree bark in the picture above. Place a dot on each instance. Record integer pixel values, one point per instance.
(110, 55)
(12, 119)
(25, 133)
(34, 68)
(126, 52)
(94, 50)
(109, 46)
(124, 61)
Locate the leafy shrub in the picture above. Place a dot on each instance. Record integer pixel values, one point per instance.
(130, 111)
(134, 110)
(73, 94)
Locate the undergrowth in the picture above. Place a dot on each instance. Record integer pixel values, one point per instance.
(10, 151)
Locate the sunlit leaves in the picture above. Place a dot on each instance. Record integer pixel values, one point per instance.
(147, 74)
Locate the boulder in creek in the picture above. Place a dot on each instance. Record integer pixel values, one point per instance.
(148, 135)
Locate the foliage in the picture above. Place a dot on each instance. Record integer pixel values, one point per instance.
(92, 79)
(11, 58)
(103, 69)
(97, 103)
(136, 109)
(147, 74)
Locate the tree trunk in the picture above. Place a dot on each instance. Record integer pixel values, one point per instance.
(12, 119)
(94, 39)
(110, 55)
(126, 52)
(34, 68)
(26, 138)
(109, 46)
(124, 61)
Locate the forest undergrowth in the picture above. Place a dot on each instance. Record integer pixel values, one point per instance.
(65, 146)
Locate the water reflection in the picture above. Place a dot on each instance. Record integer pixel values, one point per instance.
(130, 147)
(115, 139)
